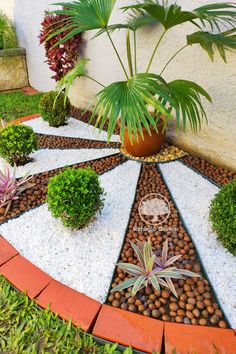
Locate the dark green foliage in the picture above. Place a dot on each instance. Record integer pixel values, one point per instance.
(223, 216)
(16, 104)
(25, 328)
(54, 112)
(17, 142)
(75, 196)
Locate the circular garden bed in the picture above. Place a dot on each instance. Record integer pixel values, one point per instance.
(85, 259)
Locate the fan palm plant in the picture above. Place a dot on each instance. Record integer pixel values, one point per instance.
(130, 101)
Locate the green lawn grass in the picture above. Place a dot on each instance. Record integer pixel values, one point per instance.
(26, 328)
(16, 104)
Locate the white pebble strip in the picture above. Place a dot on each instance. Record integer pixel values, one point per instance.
(193, 195)
(74, 129)
(85, 259)
(46, 160)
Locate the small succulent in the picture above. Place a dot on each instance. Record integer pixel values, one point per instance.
(10, 187)
(152, 270)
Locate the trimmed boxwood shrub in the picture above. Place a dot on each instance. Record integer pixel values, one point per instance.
(75, 196)
(17, 142)
(223, 216)
(55, 113)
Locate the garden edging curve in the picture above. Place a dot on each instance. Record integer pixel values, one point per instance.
(103, 321)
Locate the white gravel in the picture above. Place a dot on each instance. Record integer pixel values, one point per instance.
(46, 160)
(85, 259)
(74, 129)
(193, 195)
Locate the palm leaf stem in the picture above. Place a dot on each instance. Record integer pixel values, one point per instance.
(91, 78)
(117, 54)
(135, 53)
(155, 50)
(173, 56)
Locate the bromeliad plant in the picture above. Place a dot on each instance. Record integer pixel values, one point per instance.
(152, 270)
(10, 187)
(131, 100)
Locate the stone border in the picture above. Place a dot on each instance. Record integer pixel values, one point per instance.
(104, 321)
(12, 52)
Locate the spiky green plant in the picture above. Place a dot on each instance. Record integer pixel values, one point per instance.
(7, 33)
(131, 99)
(152, 270)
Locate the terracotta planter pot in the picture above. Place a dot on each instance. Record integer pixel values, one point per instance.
(149, 146)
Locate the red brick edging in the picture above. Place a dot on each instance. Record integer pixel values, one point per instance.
(106, 322)
(24, 119)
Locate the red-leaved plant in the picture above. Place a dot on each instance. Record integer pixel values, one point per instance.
(10, 187)
(60, 59)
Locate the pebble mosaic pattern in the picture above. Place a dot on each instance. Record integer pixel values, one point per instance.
(218, 175)
(196, 303)
(36, 196)
(60, 142)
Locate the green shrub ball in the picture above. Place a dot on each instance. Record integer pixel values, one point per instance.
(75, 196)
(223, 216)
(17, 142)
(54, 112)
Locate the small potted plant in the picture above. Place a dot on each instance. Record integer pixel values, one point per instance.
(144, 102)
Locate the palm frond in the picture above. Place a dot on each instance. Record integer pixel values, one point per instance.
(211, 42)
(187, 96)
(67, 80)
(129, 101)
(216, 15)
(82, 16)
(135, 20)
(169, 15)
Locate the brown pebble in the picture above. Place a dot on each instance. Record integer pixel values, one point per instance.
(173, 307)
(202, 322)
(196, 313)
(116, 303)
(156, 314)
(189, 315)
(165, 318)
(210, 309)
(222, 324)
(179, 319)
(165, 294)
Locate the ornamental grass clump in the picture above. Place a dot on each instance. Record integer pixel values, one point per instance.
(10, 187)
(75, 196)
(7, 33)
(152, 270)
(17, 142)
(223, 216)
(55, 113)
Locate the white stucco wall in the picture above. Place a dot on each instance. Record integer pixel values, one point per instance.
(215, 141)
(7, 7)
